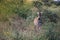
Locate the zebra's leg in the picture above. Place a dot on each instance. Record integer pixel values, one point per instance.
(36, 28)
(39, 26)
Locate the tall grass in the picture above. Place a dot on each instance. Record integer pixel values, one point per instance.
(15, 16)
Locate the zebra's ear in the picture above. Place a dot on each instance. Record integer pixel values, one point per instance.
(37, 13)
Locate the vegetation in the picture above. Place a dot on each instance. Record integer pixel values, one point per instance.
(16, 20)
